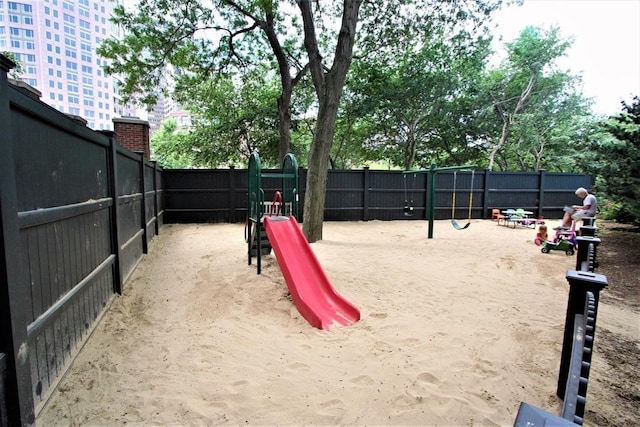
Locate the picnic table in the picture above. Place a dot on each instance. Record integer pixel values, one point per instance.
(519, 217)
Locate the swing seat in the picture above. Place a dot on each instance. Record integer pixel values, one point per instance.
(408, 210)
(454, 223)
(458, 226)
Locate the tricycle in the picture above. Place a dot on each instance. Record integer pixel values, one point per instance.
(560, 245)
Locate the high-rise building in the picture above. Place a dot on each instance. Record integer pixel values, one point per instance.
(55, 42)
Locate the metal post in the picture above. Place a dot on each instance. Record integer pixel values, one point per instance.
(583, 261)
(432, 197)
(580, 283)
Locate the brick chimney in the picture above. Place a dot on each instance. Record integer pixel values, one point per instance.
(133, 134)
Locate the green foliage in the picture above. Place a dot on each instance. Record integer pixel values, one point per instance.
(619, 213)
(419, 90)
(613, 156)
(415, 108)
(232, 117)
(533, 110)
(170, 147)
(17, 71)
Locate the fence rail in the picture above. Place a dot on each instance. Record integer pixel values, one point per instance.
(219, 195)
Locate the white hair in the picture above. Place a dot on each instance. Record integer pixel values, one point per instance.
(581, 190)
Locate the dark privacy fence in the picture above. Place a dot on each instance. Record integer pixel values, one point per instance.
(76, 213)
(220, 195)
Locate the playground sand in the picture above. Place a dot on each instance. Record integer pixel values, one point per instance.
(455, 331)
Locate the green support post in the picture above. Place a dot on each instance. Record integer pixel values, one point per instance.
(432, 171)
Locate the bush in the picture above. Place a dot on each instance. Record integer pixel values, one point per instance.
(620, 213)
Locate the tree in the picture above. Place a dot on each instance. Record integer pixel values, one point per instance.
(418, 103)
(328, 86)
(528, 73)
(385, 27)
(169, 42)
(15, 72)
(164, 32)
(613, 157)
(169, 147)
(232, 117)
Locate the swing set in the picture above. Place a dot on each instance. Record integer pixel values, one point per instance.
(432, 171)
(453, 202)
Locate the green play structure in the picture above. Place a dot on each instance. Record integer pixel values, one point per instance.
(284, 201)
(432, 171)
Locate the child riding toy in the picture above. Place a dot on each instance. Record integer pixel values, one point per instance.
(560, 245)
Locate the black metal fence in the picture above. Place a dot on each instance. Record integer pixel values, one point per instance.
(220, 195)
(579, 335)
(76, 213)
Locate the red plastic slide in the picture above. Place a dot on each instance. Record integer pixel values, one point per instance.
(308, 284)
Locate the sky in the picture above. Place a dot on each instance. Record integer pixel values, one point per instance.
(606, 47)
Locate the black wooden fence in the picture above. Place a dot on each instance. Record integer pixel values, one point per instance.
(76, 213)
(220, 195)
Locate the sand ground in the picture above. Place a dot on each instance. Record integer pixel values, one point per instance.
(455, 331)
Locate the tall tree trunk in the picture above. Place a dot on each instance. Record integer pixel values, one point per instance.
(284, 119)
(412, 143)
(286, 80)
(328, 87)
(509, 120)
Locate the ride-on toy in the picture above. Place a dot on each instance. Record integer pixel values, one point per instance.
(560, 245)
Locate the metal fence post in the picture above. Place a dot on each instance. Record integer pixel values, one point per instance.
(366, 196)
(232, 194)
(586, 260)
(541, 186)
(580, 283)
(485, 198)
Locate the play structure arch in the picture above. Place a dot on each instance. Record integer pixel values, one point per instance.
(284, 203)
(310, 289)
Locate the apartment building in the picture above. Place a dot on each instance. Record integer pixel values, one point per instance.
(55, 42)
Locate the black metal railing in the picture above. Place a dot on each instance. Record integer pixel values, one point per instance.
(579, 334)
